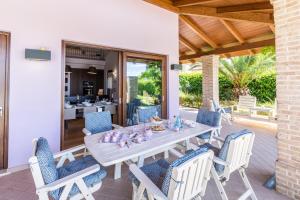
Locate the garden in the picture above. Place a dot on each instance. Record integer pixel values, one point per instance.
(254, 75)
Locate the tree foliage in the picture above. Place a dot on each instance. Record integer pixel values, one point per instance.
(242, 70)
(150, 80)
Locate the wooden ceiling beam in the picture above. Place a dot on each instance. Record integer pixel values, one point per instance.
(245, 46)
(181, 3)
(188, 44)
(272, 27)
(197, 10)
(263, 6)
(233, 31)
(164, 5)
(190, 23)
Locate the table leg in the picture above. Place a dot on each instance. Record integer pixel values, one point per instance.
(140, 161)
(118, 169)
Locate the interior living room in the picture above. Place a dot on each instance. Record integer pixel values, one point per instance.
(91, 85)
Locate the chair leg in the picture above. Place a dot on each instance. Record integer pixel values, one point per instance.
(66, 191)
(140, 161)
(166, 154)
(247, 183)
(140, 192)
(43, 195)
(84, 190)
(219, 184)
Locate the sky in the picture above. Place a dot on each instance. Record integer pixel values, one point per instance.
(135, 69)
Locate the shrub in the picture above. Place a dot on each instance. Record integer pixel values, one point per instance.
(263, 88)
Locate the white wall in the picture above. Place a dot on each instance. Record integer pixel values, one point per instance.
(35, 87)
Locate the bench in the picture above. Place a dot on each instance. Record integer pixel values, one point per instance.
(248, 103)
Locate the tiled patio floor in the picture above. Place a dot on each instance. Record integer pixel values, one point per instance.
(19, 186)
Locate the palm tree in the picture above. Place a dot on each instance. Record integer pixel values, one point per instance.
(244, 69)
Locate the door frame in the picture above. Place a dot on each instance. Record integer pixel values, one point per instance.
(122, 100)
(146, 56)
(4, 164)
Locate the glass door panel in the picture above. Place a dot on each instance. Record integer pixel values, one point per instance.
(143, 86)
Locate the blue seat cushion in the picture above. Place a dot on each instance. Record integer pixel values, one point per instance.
(79, 165)
(205, 136)
(156, 171)
(209, 118)
(97, 122)
(46, 162)
(147, 112)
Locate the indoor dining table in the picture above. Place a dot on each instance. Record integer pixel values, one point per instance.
(108, 154)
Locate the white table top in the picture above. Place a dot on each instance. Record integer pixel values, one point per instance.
(108, 154)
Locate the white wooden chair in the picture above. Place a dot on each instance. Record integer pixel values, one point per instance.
(225, 112)
(77, 179)
(248, 103)
(185, 178)
(210, 118)
(234, 155)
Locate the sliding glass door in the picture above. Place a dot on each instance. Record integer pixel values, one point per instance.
(144, 85)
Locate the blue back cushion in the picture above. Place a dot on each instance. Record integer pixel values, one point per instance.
(209, 118)
(145, 113)
(224, 149)
(176, 163)
(46, 162)
(97, 122)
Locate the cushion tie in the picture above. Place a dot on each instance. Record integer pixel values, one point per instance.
(178, 183)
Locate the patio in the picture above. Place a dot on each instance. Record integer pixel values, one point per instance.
(20, 185)
(171, 32)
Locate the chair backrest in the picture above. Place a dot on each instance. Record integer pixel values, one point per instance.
(97, 122)
(209, 118)
(214, 105)
(187, 176)
(236, 151)
(247, 102)
(145, 113)
(42, 164)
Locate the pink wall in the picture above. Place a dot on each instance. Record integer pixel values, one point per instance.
(35, 86)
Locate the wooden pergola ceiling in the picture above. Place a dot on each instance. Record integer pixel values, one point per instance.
(224, 27)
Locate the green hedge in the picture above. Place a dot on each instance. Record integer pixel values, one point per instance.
(263, 88)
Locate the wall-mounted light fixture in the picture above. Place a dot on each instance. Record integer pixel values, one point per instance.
(176, 67)
(37, 54)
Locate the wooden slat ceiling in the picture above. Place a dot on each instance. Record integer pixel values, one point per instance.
(224, 27)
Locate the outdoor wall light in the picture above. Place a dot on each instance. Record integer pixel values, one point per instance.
(176, 67)
(37, 54)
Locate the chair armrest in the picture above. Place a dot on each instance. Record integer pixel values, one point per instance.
(115, 126)
(220, 161)
(86, 132)
(149, 185)
(69, 151)
(69, 179)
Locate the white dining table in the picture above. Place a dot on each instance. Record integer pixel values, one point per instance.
(108, 154)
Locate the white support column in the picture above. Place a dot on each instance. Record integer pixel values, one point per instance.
(210, 82)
